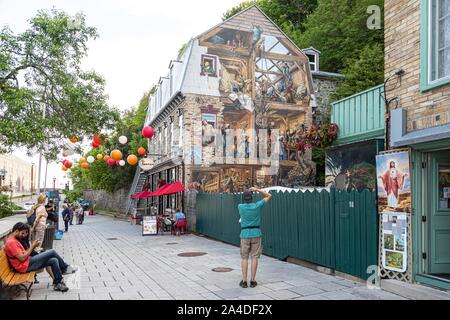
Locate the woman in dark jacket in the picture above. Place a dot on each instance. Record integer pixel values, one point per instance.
(66, 217)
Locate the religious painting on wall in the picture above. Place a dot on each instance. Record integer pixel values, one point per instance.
(209, 65)
(394, 186)
(352, 167)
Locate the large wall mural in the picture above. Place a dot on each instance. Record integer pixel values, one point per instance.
(263, 84)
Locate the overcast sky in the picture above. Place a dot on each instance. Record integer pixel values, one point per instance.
(137, 40)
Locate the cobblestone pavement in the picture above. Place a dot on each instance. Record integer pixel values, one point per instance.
(117, 262)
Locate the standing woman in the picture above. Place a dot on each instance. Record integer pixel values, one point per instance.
(66, 217)
(40, 223)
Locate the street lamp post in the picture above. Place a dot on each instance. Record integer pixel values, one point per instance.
(3, 173)
(54, 183)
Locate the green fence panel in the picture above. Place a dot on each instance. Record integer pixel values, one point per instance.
(335, 229)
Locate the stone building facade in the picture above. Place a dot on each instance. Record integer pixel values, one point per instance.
(226, 114)
(17, 174)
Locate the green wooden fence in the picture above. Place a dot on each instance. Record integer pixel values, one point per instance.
(334, 229)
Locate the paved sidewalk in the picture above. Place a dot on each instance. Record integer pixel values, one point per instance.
(117, 263)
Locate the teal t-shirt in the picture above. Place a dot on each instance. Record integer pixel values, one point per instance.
(251, 217)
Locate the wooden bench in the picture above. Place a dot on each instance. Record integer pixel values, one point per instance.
(15, 280)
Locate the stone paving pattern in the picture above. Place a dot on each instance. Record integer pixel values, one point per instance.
(149, 268)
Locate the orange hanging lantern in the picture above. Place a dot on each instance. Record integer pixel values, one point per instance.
(99, 156)
(64, 168)
(106, 158)
(74, 139)
(85, 165)
(132, 160)
(82, 160)
(141, 151)
(116, 155)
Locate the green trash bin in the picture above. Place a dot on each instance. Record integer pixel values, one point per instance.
(48, 238)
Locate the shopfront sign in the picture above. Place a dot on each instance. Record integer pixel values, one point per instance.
(394, 204)
(146, 164)
(149, 226)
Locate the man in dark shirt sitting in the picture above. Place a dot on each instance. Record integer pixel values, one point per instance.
(22, 261)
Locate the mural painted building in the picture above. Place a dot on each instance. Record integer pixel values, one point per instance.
(235, 97)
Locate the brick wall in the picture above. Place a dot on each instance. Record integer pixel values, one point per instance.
(402, 41)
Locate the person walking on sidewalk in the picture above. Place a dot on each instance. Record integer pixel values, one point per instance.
(66, 217)
(251, 233)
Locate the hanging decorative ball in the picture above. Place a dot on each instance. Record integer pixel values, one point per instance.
(132, 160)
(85, 165)
(65, 154)
(118, 162)
(64, 168)
(90, 159)
(95, 145)
(141, 151)
(111, 162)
(68, 164)
(106, 158)
(123, 139)
(65, 161)
(82, 160)
(116, 155)
(97, 139)
(148, 132)
(99, 156)
(122, 163)
(74, 139)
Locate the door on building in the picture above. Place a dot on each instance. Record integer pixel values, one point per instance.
(439, 214)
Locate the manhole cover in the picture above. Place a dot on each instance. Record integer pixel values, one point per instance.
(191, 254)
(111, 239)
(221, 269)
(171, 243)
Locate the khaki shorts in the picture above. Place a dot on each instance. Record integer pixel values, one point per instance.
(252, 247)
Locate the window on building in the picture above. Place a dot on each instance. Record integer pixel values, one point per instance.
(435, 47)
(180, 126)
(440, 40)
(312, 62)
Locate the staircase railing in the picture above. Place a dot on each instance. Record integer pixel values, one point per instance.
(133, 188)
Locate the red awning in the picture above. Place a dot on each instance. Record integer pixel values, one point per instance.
(138, 195)
(175, 187)
(161, 191)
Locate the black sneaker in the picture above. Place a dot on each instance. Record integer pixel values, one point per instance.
(243, 284)
(61, 287)
(253, 284)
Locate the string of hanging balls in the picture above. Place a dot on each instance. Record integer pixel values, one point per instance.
(115, 158)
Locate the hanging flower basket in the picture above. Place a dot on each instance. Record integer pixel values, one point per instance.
(318, 136)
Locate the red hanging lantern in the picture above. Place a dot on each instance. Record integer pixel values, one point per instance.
(68, 164)
(64, 154)
(148, 132)
(95, 145)
(97, 139)
(141, 151)
(111, 162)
(85, 165)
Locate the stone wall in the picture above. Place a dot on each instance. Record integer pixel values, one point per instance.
(324, 88)
(113, 202)
(402, 41)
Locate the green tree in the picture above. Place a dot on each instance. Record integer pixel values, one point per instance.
(363, 72)
(99, 175)
(40, 69)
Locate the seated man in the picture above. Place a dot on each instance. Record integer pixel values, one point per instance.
(22, 262)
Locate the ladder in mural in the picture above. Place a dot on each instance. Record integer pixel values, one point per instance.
(138, 184)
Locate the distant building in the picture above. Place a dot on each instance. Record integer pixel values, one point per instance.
(18, 174)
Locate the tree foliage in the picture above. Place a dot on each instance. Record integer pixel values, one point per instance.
(40, 69)
(99, 175)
